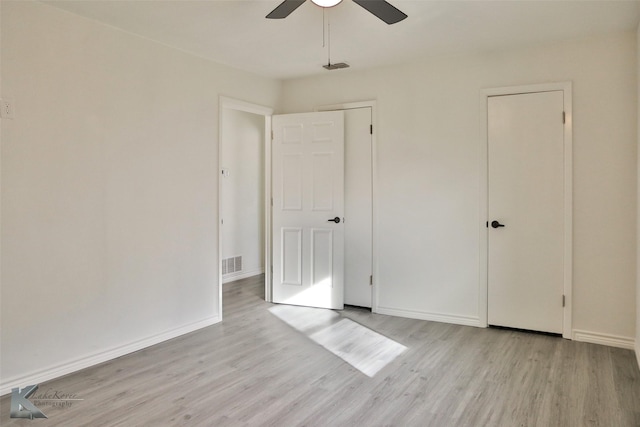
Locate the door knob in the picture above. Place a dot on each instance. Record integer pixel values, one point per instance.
(496, 224)
(336, 220)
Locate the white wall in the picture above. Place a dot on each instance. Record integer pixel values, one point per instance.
(109, 197)
(428, 203)
(242, 195)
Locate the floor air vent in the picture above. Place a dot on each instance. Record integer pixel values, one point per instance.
(231, 265)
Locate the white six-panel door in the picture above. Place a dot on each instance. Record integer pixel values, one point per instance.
(526, 201)
(308, 192)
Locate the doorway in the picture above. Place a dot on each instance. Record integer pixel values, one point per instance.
(359, 265)
(242, 209)
(528, 211)
(359, 134)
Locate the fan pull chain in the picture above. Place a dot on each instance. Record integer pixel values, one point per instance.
(324, 24)
(329, 40)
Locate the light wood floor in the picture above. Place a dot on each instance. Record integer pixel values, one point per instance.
(255, 370)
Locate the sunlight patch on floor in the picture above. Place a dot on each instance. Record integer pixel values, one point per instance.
(362, 348)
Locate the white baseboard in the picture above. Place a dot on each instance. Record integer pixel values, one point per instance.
(241, 275)
(604, 339)
(56, 371)
(434, 317)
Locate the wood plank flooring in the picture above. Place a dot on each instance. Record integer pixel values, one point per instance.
(255, 370)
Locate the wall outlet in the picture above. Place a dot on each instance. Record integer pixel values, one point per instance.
(6, 109)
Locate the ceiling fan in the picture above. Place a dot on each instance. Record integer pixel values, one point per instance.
(380, 8)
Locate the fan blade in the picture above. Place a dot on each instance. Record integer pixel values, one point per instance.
(383, 10)
(285, 9)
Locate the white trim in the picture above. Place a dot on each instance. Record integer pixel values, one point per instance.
(247, 107)
(568, 209)
(268, 229)
(483, 190)
(374, 174)
(566, 88)
(433, 317)
(604, 339)
(239, 275)
(87, 361)
(236, 104)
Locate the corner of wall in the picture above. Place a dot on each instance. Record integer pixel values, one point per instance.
(637, 343)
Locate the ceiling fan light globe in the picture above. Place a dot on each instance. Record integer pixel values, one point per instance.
(326, 3)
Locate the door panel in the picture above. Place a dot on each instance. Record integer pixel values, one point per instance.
(291, 182)
(321, 256)
(322, 199)
(308, 191)
(526, 195)
(291, 256)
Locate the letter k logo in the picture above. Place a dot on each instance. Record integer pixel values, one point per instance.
(21, 407)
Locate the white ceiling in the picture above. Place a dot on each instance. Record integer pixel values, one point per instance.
(236, 33)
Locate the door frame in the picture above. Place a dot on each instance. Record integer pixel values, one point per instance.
(227, 103)
(374, 173)
(566, 88)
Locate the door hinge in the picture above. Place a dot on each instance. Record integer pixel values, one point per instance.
(371, 280)
(272, 202)
(564, 117)
(563, 300)
(371, 129)
(272, 135)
